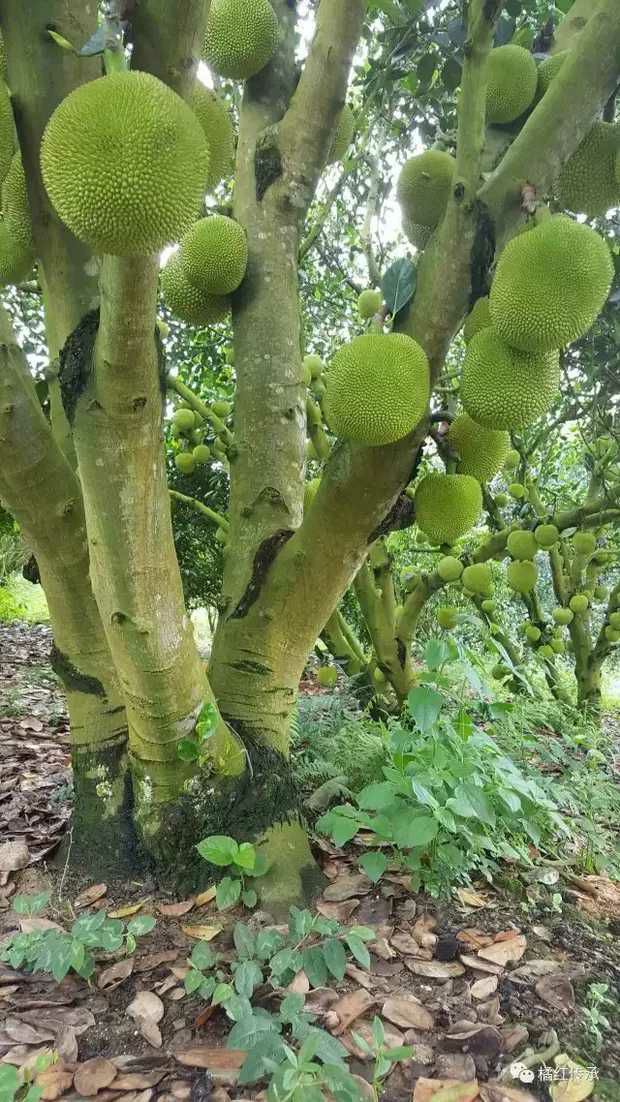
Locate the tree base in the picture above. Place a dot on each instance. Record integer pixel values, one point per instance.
(293, 876)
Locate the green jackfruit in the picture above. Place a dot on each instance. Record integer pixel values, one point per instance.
(185, 462)
(587, 183)
(512, 78)
(546, 535)
(488, 606)
(449, 568)
(241, 37)
(499, 671)
(424, 187)
(521, 544)
(184, 420)
(327, 676)
(343, 136)
(550, 285)
(214, 118)
(125, 162)
(512, 460)
(369, 303)
(314, 364)
(612, 634)
(517, 490)
(4, 72)
(549, 69)
(503, 388)
(558, 646)
(15, 205)
(201, 454)
(7, 131)
(532, 633)
(481, 450)
(584, 543)
(186, 302)
(214, 254)
(501, 500)
(447, 506)
(522, 576)
(447, 617)
(614, 620)
(416, 234)
(15, 262)
(478, 318)
(477, 578)
(310, 492)
(377, 388)
(546, 651)
(579, 603)
(563, 616)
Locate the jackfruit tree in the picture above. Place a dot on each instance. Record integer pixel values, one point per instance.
(334, 420)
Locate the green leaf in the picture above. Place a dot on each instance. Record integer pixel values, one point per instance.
(61, 958)
(374, 865)
(86, 927)
(291, 1007)
(314, 966)
(286, 960)
(188, 749)
(270, 1046)
(193, 980)
(9, 1081)
(398, 285)
(218, 849)
(244, 940)
(424, 707)
(335, 957)
(203, 955)
(130, 944)
(418, 831)
(358, 949)
(245, 857)
(378, 1031)
(339, 827)
(238, 1007)
(328, 1049)
(436, 653)
(247, 1032)
(141, 924)
(30, 904)
(61, 41)
(227, 893)
(221, 993)
(378, 796)
(451, 74)
(261, 865)
(268, 942)
(248, 976)
(249, 898)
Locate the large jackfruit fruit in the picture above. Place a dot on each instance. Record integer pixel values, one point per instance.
(478, 578)
(187, 302)
(424, 187)
(241, 37)
(125, 163)
(587, 183)
(447, 506)
(482, 451)
(377, 388)
(214, 118)
(214, 254)
(479, 317)
(550, 285)
(511, 83)
(15, 261)
(549, 69)
(522, 576)
(502, 388)
(16, 207)
(7, 131)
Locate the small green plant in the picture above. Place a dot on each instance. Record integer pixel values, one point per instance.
(383, 1055)
(299, 1076)
(194, 747)
(60, 952)
(595, 1020)
(18, 1084)
(242, 859)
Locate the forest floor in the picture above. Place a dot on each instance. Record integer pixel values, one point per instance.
(473, 983)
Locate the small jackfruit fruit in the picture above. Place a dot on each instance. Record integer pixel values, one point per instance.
(512, 78)
(221, 408)
(424, 187)
(546, 651)
(522, 576)
(579, 603)
(550, 285)
(327, 676)
(377, 388)
(369, 303)
(549, 69)
(563, 615)
(517, 490)
(15, 205)
(186, 302)
(241, 37)
(447, 506)
(587, 183)
(612, 634)
(214, 118)
(488, 606)
(343, 136)
(521, 545)
(512, 460)
(532, 633)
(314, 364)
(584, 543)
(7, 131)
(546, 535)
(481, 450)
(201, 454)
(449, 568)
(499, 671)
(124, 162)
(503, 388)
(477, 578)
(185, 462)
(501, 500)
(614, 620)
(184, 420)
(558, 646)
(214, 254)
(15, 261)
(478, 318)
(447, 616)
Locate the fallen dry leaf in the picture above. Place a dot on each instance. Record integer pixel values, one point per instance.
(153, 960)
(300, 984)
(481, 965)
(481, 989)
(202, 933)
(138, 1081)
(130, 909)
(93, 1075)
(13, 856)
(556, 990)
(408, 946)
(150, 1031)
(363, 978)
(215, 1059)
(445, 1090)
(533, 969)
(89, 896)
(54, 1081)
(175, 910)
(350, 1007)
(501, 952)
(340, 911)
(34, 925)
(24, 1056)
(470, 898)
(436, 969)
(601, 895)
(483, 1040)
(206, 896)
(116, 974)
(345, 887)
(408, 1013)
(146, 1006)
(574, 1088)
(488, 1011)
(495, 1091)
(66, 1045)
(25, 1034)
(473, 938)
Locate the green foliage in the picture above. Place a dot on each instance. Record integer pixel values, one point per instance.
(242, 859)
(18, 1084)
(195, 748)
(333, 738)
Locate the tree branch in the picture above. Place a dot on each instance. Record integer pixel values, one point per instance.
(200, 507)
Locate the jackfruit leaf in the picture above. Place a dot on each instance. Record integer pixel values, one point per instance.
(426, 69)
(246, 1033)
(451, 74)
(424, 707)
(218, 849)
(227, 893)
(436, 652)
(245, 857)
(314, 966)
(398, 285)
(61, 41)
(504, 32)
(269, 1047)
(245, 942)
(358, 949)
(374, 865)
(415, 832)
(335, 958)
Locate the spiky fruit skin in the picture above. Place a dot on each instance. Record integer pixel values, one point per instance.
(124, 162)
(415, 233)
(549, 69)
(521, 545)
(343, 135)
(512, 459)
(532, 633)
(15, 262)
(512, 78)
(369, 303)
(4, 72)
(327, 676)
(503, 388)
(186, 302)
(550, 285)
(449, 568)
(377, 388)
(481, 450)
(447, 506)
(488, 606)
(517, 490)
(201, 454)
(579, 603)
(563, 616)
(477, 578)
(587, 183)
(185, 462)
(314, 364)
(479, 317)
(584, 543)
(546, 535)
(184, 420)
(424, 187)
(7, 131)
(522, 576)
(15, 205)
(310, 492)
(499, 671)
(447, 617)
(214, 255)
(614, 620)
(212, 114)
(241, 37)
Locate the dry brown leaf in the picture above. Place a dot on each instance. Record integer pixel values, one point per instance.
(180, 971)
(206, 897)
(507, 935)
(556, 990)
(116, 974)
(408, 1013)
(14, 855)
(488, 1011)
(25, 1034)
(300, 984)
(408, 946)
(153, 960)
(382, 948)
(79, 1019)
(514, 1037)
(175, 910)
(176, 994)
(576, 1087)
(147, 1006)
(340, 911)
(481, 965)
(54, 1081)
(24, 1056)
(165, 985)
(481, 989)
(202, 933)
(603, 893)
(350, 1007)
(36, 924)
(483, 1040)
(93, 1075)
(445, 1090)
(215, 1059)
(495, 1091)
(533, 969)
(6, 992)
(129, 909)
(473, 938)
(66, 1045)
(436, 969)
(502, 952)
(150, 1031)
(137, 1096)
(347, 886)
(138, 1081)
(361, 977)
(470, 898)
(89, 896)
